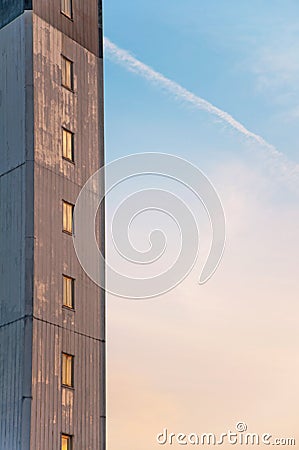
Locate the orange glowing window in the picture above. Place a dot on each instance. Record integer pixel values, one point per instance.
(66, 442)
(67, 8)
(67, 144)
(67, 370)
(67, 73)
(67, 217)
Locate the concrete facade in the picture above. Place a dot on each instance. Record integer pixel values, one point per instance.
(35, 329)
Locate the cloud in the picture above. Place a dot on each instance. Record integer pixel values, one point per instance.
(279, 163)
(277, 67)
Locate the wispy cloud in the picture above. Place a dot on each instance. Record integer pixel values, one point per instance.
(279, 162)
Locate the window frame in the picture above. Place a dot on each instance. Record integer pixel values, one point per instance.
(72, 134)
(64, 11)
(64, 60)
(72, 280)
(72, 358)
(69, 439)
(69, 232)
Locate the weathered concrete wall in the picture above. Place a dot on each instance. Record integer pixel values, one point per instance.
(11, 385)
(34, 252)
(16, 231)
(81, 332)
(84, 26)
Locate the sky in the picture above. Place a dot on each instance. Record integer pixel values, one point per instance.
(202, 358)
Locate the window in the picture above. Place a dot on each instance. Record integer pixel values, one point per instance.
(67, 144)
(67, 220)
(67, 73)
(66, 442)
(68, 291)
(67, 8)
(67, 370)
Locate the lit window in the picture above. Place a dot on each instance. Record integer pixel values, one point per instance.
(67, 73)
(67, 220)
(67, 144)
(67, 8)
(68, 291)
(67, 370)
(66, 442)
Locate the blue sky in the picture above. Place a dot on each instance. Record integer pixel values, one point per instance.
(202, 358)
(240, 56)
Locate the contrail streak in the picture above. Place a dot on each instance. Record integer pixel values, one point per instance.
(123, 57)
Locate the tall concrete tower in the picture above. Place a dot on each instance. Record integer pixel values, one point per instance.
(52, 316)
